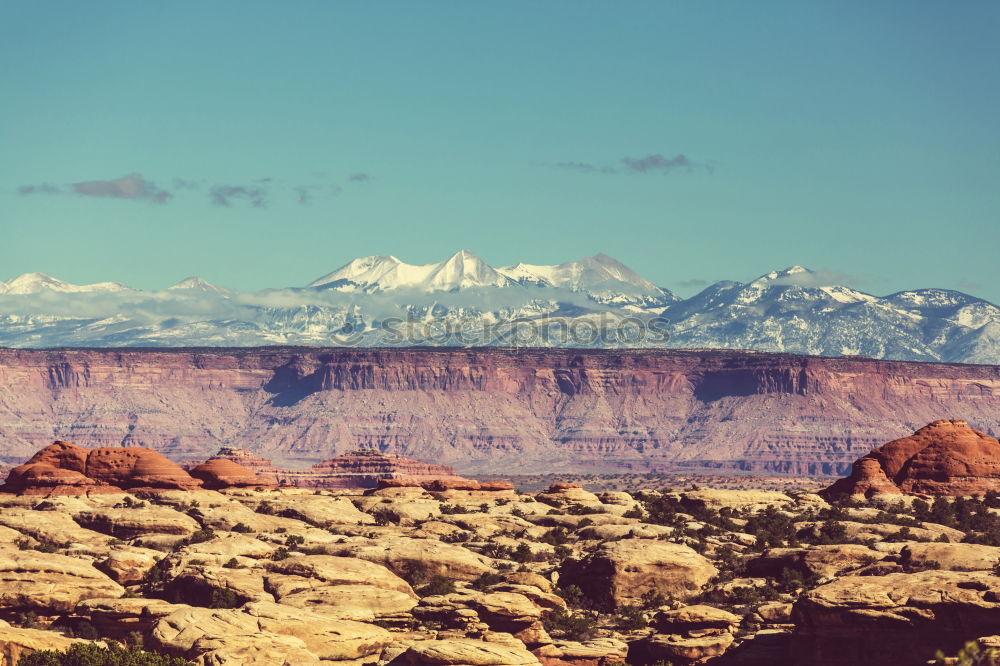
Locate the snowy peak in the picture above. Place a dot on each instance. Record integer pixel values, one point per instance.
(599, 271)
(793, 275)
(461, 271)
(195, 283)
(36, 283)
(362, 271)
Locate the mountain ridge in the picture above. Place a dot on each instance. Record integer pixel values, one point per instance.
(463, 301)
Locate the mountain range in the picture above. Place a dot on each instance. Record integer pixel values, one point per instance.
(463, 301)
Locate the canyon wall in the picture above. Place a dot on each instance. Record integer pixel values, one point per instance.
(488, 410)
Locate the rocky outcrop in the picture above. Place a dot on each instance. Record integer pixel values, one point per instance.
(355, 469)
(946, 457)
(488, 409)
(48, 584)
(16, 643)
(898, 618)
(619, 573)
(220, 473)
(63, 468)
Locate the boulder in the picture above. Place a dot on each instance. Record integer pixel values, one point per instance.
(820, 561)
(364, 603)
(258, 649)
(404, 554)
(326, 638)
(117, 618)
(898, 618)
(221, 473)
(462, 652)
(596, 652)
(696, 620)
(130, 523)
(16, 643)
(618, 573)
(128, 564)
(953, 556)
(49, 584)
(332, 570)
(677, 650)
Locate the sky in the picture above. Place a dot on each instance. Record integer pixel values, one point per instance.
(263, 144)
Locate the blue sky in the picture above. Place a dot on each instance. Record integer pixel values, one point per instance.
(264, 144)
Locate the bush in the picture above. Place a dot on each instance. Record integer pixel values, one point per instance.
(523, 553)
(242, 528)
(498, 551)
(384, 517)
(555, 537)
(562, 624)
(486, 580)
(225, 598)
(631, 618)
(91, 654)
(202, 535)
(970, 655)
(438, 585)
(415, 573)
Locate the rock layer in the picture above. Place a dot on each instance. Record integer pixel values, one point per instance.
(945, 457)
(488, 410)
(354, 469)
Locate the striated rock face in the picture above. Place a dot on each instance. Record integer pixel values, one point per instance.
(946, 457)
(63, 468)
(488, 410)
(355, 469)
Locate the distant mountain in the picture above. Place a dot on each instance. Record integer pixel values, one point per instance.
(37, 283)
(463, 301)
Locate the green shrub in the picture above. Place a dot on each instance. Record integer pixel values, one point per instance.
(970, 655)
(575, 627)
(202, 535)
(486, 580)
(438, 585)
(242, 528)
(224, 598)
(91, 654)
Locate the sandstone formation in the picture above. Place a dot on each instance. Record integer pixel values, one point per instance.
(219, 473)
(946, 457)
(63, 468)
(15, 642)
(894, 619)
(620, 572)
(352, 470)
(490, 409)
(403, 576)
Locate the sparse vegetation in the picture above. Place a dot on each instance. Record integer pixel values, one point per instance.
(91, 654)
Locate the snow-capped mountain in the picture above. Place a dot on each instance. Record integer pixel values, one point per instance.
(590, 302)
(462, 270)
(36, 283)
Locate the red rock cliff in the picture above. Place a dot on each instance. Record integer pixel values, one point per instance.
(487, 410)
(945, 457)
